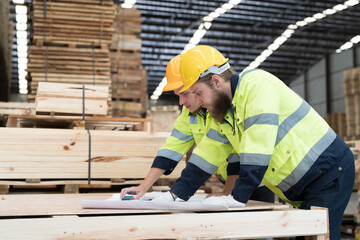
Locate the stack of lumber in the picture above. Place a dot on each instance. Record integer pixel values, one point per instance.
(164, 117)
(70, 42)
(63, 154)
(78, 22)
(21, 108)
(75, 106)
(128, 77)
(71, 98)
(127, 29)
(337, 122)
(352, 102)
(77, 122)
(68, 65)
(355, 148)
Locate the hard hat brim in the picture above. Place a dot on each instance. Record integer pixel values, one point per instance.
(172, 86)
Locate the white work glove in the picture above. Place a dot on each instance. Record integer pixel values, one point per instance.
(158, 197)
(228, 201)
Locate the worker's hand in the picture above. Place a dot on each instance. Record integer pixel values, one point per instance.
(138, 192)
(158, 197)
(218, 194)
(228, 201)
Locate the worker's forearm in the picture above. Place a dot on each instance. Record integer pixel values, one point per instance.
(153, 175)
(230, 183)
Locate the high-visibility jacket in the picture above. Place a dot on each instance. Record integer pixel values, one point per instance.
(281, 141)
(189, 129)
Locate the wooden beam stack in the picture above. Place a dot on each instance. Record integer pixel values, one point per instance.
(67, 65)
(30, 153)
(74, 22)
(72, 98)
(21, 108)
(128, 77)
(337, 122)
(70, 40)
(352, 102)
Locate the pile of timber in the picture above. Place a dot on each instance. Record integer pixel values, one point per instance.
(74, 106)
(21, 108)
(71, 99)
(337, 122)
(127, 29)
(128, 76)
(72, 22)
(62, 154)
(67, 65)
(355, 148)
(77, 122)
(352, 103)
(164, 117)
(70, 42)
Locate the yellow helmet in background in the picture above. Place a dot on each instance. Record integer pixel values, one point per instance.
(173, 77)
(199, 61)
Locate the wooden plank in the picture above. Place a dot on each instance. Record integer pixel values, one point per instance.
(60, 204)
(68, 98)
(238, 224)
(63, 154)
(21, 108)
(92, 123)
(81, 183)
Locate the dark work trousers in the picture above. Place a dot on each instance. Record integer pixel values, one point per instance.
(334, 196)
(263, 194)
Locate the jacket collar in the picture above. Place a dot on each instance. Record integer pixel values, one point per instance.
(234, 81)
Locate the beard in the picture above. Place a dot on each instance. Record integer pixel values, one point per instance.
(219, 106)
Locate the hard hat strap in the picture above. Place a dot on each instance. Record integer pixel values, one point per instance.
(216, 69)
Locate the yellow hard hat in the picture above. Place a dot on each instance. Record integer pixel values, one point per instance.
(200, 61)
(173, 77)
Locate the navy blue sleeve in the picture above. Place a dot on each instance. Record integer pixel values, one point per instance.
(192, 177)
(248, 181)
(164, 163)
(233, 168)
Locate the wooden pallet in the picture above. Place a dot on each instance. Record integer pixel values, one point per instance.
(71, 122)
(60, 216)
(64, 186)
(124, 60)
(352, 102)
(337, 122)
(133, 109)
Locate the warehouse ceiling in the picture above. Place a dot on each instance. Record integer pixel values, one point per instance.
(243, 33)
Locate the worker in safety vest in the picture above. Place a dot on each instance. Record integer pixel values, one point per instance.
(282, 141)
(189, 129)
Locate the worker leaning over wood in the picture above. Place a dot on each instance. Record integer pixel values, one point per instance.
(188, 130)
(281, 139)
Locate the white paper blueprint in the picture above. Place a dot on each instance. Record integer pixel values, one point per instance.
(193, 204)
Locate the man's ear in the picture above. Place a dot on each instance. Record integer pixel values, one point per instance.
(217, 81)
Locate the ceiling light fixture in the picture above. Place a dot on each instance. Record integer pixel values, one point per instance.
(197, 36)
(290, 30)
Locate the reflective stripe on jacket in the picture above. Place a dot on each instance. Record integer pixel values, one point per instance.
(282, 137)
(187, 130)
